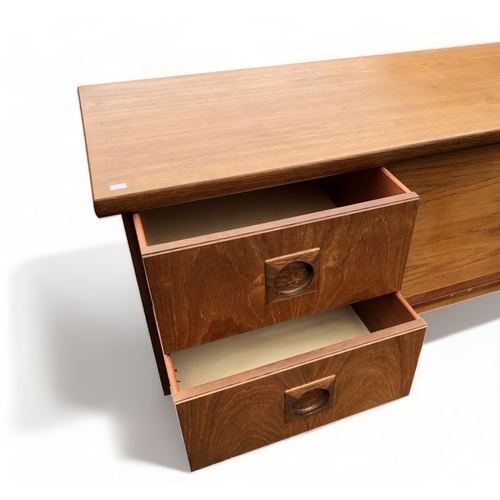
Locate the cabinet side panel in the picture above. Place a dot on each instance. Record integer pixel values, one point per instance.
(244, 417)
(147, 305)
(456, 241)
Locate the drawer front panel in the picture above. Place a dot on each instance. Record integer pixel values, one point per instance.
(212, 291)
(244, 417)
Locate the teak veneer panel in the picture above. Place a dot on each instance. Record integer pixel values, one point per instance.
(210, 291)
(184, 138)
(456, 240)
(147, 304)
(246, 416)
(431, 117)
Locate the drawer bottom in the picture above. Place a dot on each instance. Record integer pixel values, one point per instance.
(357, 359)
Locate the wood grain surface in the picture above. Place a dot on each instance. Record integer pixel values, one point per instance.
(243, 417)
(452, 298)
(184, 138)
(360, 186)
(289, 276)
(456, 241)
(390, 310)
(380, 313)
(309, 398)
(147, 303)
(218, 289)
(432, 117)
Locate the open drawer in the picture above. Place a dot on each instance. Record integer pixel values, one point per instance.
(244, 392)
(229, 265)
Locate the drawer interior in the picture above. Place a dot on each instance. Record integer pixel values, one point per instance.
(215, 215)
(223, 358)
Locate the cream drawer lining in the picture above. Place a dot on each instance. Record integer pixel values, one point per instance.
(197, 218)
(205, 363)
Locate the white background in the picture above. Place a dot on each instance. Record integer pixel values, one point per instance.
(80, 400)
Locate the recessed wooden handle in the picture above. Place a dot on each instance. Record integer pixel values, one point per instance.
(310, 402)
(308, 399)
(291, 276)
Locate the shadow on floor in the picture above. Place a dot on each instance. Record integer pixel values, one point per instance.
(81, 344)
(462, 316)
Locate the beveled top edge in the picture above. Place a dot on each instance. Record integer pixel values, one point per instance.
(176, 139)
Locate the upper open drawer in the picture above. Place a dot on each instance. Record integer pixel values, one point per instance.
(228, 265)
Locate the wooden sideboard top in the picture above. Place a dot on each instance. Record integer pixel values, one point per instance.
(168, 140)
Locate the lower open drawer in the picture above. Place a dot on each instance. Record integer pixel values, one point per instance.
(253, 389)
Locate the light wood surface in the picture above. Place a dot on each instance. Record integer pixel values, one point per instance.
(456, 241)
(185, 138)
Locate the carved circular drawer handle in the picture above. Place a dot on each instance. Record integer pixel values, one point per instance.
(310, 401)
(294, 278)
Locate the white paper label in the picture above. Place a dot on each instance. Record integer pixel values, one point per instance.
(114, 187)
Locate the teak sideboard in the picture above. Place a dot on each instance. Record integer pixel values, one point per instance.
(287, 225)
